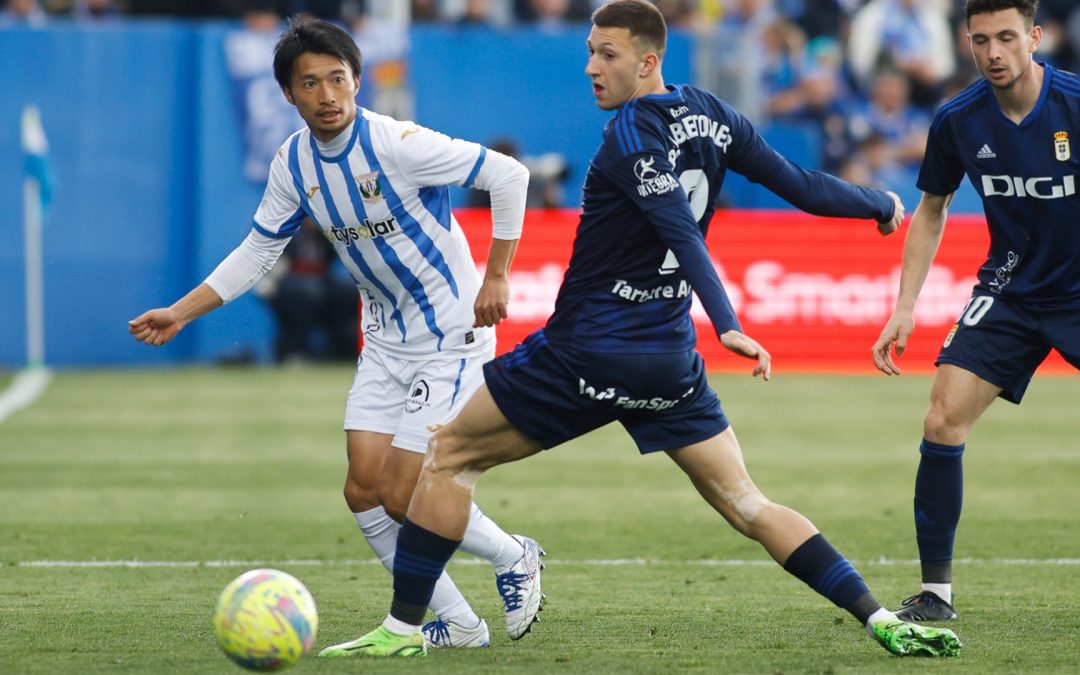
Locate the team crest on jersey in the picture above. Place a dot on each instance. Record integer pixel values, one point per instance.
(951, 335)
(369, 186)
(1061, 146)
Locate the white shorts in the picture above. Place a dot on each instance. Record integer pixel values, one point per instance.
(409, 399)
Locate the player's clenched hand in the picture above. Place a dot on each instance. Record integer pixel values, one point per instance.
(894, 336)
(887, 227)
(744, 345)
(155, 327)
(491, 301)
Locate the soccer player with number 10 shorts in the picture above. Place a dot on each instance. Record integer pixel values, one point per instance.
(1012, 133)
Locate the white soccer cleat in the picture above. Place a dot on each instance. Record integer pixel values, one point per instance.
(439, 634)
(519, 586)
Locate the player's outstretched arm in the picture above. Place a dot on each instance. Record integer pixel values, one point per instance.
(158, 326)
(923, 239)
(493, 299)
(744, 345)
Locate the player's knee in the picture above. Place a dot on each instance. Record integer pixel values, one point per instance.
(359, 495)
(944, 425)
(742, 507)
(449, 454)
(395, 499)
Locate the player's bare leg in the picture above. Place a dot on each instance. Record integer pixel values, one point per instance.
(377, 473)
(510, 555)
(958, 398)
(717, 470)
(479, 438)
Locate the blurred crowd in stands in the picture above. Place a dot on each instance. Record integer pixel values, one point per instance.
(860, 79)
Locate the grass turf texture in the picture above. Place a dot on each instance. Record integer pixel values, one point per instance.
(246, 465)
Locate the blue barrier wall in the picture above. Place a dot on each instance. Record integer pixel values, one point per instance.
(120, 117)
(147, 144)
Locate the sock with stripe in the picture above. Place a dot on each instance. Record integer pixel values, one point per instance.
(939, 496)
(419, 561)
(823, 569)
(381, 533)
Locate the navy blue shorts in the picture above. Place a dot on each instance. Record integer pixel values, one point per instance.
(553, 394)
(1003, 341)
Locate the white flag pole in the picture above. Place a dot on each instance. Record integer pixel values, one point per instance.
(31, 382)
(34, 143)
(35, 292)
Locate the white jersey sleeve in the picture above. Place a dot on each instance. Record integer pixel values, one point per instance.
(249, 262)
(280, 213)
(428, 157)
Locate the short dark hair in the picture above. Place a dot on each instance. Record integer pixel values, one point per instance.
(1027, 8)
(641, 18)
(307, 34)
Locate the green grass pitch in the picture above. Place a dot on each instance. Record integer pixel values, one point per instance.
(213, 471)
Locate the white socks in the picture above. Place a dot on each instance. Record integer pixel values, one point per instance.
(880, 615)
(485, 539)
(447, 602)
(943, 591)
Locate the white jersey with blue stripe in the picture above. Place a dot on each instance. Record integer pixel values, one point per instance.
(384, 203)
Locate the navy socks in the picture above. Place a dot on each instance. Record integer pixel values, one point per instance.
(419, 561)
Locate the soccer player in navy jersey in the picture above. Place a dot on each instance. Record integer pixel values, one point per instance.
(620, 345)
(1011, 132)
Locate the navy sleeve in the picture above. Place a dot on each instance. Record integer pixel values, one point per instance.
(941, 171)
(647, 178)
(815, 192)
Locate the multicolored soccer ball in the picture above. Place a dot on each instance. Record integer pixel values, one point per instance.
(265, 620)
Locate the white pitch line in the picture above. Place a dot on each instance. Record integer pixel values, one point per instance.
(609, 562)
(27, 386)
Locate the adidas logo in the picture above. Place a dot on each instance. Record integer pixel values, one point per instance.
(985, 152)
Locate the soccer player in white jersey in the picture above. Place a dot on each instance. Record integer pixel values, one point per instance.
(377, 187)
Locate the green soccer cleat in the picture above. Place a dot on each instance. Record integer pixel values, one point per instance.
(911, 639)
(379, 642)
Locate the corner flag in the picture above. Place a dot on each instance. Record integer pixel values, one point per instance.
(37, 193)
(36, 151)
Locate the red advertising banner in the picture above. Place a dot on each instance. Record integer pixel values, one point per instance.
(815, 292)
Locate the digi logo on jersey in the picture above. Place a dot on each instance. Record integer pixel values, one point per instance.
(1039, 187)
(366, 230)
(418, 397)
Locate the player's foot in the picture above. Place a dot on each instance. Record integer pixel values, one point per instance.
(440, 634)
(925, 607)
(910, 639)
(379, 642)
(519, 586)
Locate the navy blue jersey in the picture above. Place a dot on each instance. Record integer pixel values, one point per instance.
(648, 198)
(1026, 174)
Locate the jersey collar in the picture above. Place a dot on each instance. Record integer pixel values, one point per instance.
(1029, 119)
(341, 145)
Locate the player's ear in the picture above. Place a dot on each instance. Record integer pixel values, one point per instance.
(1036, 38)
(649, 64)
(288, 95)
